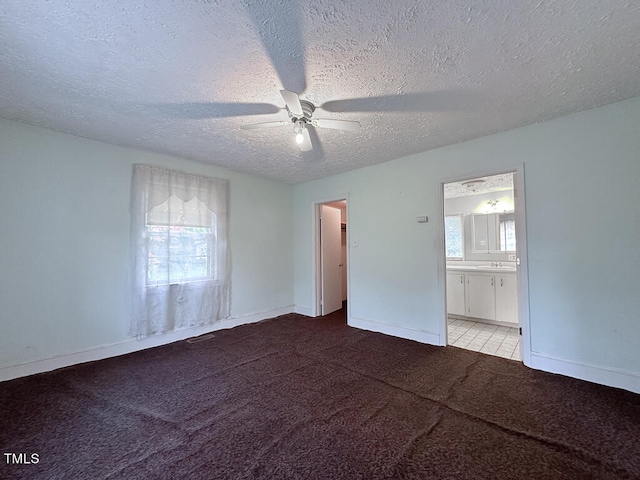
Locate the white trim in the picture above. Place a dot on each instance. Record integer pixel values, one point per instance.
(395, 331)
(592, 373)
(523, 267)
(306, 311)
(442, 264)
(129, 346)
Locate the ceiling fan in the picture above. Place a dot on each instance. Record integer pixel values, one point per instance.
(300, 116)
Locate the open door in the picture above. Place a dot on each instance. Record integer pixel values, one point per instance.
(330, 259)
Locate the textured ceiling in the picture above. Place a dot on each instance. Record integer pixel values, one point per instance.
(478, 186)
(182, 77)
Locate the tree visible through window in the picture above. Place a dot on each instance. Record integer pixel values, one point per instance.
(453, 236)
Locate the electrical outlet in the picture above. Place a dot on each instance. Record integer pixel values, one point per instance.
(512, 258)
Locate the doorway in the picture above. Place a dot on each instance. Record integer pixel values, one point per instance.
(331, 256)
(484, 268)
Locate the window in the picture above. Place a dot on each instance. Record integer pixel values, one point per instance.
(189, 256)
(508, 232)
(453, 237)
(181, 240)
(180, 271)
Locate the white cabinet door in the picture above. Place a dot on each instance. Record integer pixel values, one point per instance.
(507, 298)
(481, 300)
(455, 294)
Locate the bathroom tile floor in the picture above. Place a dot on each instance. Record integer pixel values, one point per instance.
(485, 338)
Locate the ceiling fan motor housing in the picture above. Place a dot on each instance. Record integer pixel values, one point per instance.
(307, 111)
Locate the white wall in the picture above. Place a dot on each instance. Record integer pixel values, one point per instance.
(64, 244)
(64, 220)
(583, 229)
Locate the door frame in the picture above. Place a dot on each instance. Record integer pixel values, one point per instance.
(316, 265)
(521, 249)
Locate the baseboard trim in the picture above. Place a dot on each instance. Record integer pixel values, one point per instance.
(306, 311)
(130, 345)
(592, 373)
(395, 331)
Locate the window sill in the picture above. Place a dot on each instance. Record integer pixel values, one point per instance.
(187, 285)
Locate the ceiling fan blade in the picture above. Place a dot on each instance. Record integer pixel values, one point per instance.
(336, 124)
(306, 144)
(205, 110)
(318, 150)
(293, 102)
(436, 101)
(265, 125)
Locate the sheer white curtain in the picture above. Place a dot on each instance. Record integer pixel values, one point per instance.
(180, 265)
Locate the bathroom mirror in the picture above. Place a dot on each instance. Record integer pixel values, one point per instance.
(494, 232)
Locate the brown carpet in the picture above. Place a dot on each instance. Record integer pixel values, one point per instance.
(304, 398)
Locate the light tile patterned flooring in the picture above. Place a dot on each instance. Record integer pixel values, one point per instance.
(485, 338)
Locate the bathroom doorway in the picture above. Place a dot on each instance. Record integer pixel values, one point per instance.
(484, 264)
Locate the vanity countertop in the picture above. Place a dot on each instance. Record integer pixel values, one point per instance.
(509, 268)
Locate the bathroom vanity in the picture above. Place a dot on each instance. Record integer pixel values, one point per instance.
(483, 292)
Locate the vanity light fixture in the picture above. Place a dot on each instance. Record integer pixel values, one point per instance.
(491, 206)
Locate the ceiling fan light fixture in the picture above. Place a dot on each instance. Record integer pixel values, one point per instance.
(300, 114)
(299, 126)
